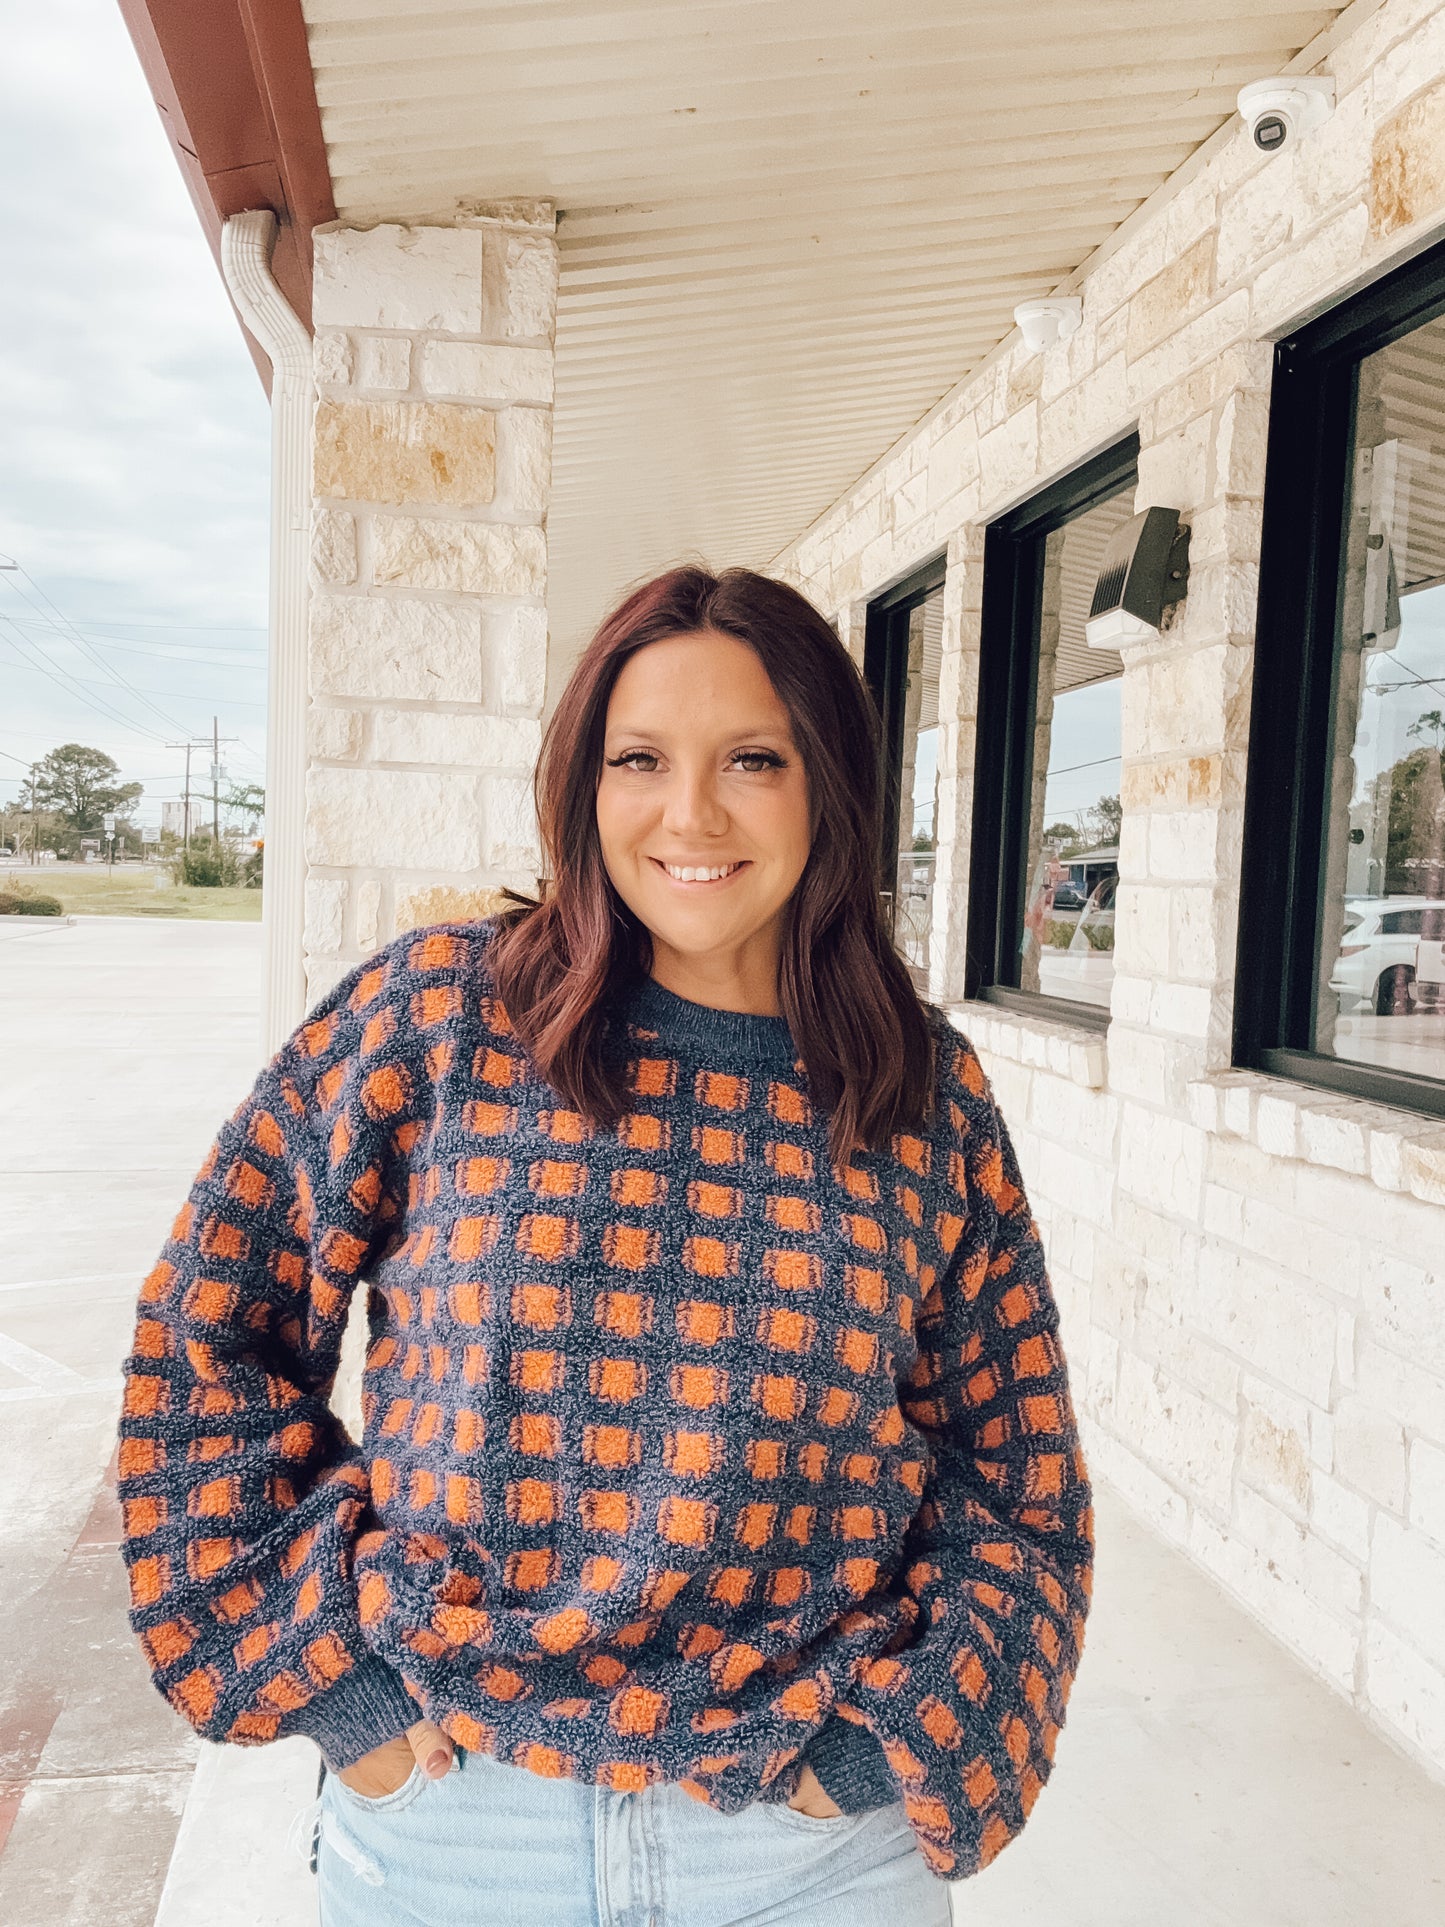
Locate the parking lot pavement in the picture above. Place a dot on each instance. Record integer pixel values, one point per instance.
(123, 1046)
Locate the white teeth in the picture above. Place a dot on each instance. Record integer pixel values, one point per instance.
(687, 874)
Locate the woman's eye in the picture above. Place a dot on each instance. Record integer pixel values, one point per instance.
(763, 759)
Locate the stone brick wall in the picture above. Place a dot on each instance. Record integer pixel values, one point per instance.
(431, 472)
(1250, 1273)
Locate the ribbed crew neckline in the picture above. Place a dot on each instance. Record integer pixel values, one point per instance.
(720, 1037)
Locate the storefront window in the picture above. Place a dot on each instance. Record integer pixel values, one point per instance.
(902, 654)
(1340, 977)
(1044, 858)
(1382, 949)
(1066, 946)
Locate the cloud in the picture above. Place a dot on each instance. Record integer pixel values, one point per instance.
(136, 473)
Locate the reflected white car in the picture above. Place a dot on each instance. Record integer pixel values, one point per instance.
(1375, 972)
(1430, 974)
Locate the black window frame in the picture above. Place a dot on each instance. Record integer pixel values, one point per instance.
(1008, 664)
(1308, 463)
(885, 670)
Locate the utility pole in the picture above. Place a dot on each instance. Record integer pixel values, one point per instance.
(217, 772)
(196, 742)
(216, 781)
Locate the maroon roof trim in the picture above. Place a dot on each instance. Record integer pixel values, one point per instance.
(233, 84)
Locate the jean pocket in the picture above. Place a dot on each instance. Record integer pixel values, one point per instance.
(808, 1822)
(383, 1802)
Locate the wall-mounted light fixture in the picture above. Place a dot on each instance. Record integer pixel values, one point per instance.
(1145, 569)
(1053, 318)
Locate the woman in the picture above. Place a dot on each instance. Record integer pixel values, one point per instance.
(719, 1545)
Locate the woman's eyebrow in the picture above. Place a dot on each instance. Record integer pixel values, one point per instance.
(653, 729)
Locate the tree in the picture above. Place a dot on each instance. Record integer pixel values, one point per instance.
(79, 785)
(1413, 791)
(248, 800)
(1106, 819)
(1066, 836)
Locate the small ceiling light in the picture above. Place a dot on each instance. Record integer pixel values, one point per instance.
(1054, 318)
(1145, 569)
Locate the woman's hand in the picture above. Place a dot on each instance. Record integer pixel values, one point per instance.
(387, 1767)
(809, 1797)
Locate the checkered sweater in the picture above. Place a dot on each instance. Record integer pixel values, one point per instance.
(688, 1455)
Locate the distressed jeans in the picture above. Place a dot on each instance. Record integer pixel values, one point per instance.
(494, 1845)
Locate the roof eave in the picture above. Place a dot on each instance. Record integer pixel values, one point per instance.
(232, 82)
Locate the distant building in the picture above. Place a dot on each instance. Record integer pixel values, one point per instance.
(173, 816)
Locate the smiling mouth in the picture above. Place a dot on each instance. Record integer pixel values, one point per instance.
(704, 882)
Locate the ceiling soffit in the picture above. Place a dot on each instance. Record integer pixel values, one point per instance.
(786, 231)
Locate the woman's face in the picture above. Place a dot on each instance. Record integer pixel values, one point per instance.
(699, 769)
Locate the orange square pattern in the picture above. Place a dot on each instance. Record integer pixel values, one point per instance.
(680, 1439)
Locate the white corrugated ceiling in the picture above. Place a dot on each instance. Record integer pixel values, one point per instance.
(787, 227)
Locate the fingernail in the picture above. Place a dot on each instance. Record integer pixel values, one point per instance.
(438, 1762)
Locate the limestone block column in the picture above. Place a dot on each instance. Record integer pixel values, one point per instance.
(1185, 740)
(852, 621)
(431, 465)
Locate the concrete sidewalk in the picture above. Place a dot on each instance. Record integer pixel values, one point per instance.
(1203, 1777)
(123, 1044)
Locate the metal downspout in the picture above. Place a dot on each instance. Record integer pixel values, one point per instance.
(246, 244)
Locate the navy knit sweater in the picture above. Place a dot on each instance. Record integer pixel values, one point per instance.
(688, 1455)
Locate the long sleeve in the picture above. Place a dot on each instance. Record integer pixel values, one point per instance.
(999, 1555)
(241, 1491)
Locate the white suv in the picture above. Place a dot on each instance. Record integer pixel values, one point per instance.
(1430, 966)
(1378, 968)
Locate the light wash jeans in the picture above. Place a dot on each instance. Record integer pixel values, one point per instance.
(494, 1845)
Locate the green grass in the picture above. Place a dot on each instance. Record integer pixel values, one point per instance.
(90, 890)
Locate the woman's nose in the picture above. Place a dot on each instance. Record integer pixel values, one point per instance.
(693, 804)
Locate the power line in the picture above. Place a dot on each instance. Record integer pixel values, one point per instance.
(1069, 768)
(181, 695)
(69, 633)
(77, 685)
(219, 659)
(28, 735)
(220, 628)
(212, 657)
(70, 685)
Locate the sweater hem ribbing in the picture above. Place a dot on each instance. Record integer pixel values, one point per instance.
(364, 1709)
(851, 1767)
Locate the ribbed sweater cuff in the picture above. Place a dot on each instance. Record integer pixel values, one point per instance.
(851, 1766)
(364, 1709)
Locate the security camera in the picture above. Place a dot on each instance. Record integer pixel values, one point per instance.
(1042, 323)
(1277, 112)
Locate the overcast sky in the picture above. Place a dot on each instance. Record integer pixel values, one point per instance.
(134, 478)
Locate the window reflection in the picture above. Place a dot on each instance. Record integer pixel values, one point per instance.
(918, 784)
(1067, 943)
(1382, 928)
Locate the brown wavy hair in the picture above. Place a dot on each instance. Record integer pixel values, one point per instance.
(861, 1030)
